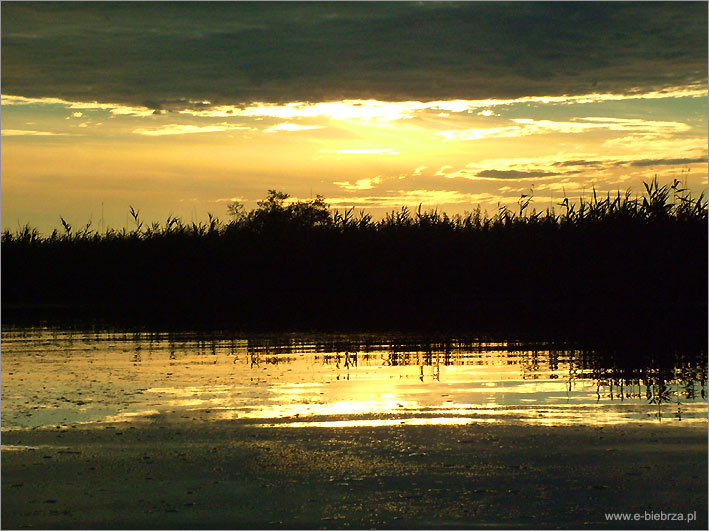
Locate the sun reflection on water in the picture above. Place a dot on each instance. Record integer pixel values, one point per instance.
(52, 377)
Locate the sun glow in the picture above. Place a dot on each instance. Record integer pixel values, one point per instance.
(177, 129)
(375, 110)
(372, 154)
(374, 151)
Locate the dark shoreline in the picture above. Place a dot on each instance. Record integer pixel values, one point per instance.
(667, 333)
(610, 269)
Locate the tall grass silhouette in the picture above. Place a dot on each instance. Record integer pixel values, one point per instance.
(619, 264)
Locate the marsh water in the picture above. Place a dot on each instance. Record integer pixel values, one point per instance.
(63, 377)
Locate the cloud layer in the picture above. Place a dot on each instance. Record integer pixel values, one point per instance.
(195, 55)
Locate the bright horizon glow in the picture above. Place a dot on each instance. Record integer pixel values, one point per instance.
(454, 155)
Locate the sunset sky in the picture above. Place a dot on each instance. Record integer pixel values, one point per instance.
(180, 108)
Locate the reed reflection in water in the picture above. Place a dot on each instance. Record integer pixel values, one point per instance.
(61, 377)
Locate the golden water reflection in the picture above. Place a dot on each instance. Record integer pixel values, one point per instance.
(59, 377)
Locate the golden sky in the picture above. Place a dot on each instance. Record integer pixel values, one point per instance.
(97, 135)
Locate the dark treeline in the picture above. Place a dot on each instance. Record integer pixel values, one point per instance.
(609, 267)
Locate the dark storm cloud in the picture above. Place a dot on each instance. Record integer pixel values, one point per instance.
(637, 163)
(580, 162)
(667, 162)
(166, 54)
(514, 174)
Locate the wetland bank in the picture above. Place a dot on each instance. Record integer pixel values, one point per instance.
(594, 402)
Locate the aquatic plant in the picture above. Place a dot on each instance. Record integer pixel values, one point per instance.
(609, 265)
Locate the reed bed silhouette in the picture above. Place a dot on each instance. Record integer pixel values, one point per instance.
(613, 266)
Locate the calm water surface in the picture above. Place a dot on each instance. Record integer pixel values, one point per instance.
(61, 377)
